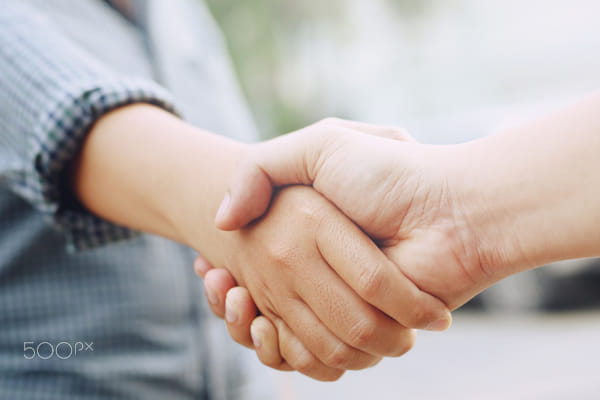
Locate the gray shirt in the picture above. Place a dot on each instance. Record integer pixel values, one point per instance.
(89, 309)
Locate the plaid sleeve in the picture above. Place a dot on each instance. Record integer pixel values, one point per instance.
(51, 93)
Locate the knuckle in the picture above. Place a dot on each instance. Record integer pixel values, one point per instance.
(362, 333)
(304, 362)
(403, 347)
(402, 132)
(370, 281)
(398, 133)
(282, 254)
(340, 357)
(271, 362)
(331, 375)
(314, 216)
(311, 212)
(420, 314)
(329, 121)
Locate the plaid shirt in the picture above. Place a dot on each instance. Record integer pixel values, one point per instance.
(51, 93)
(137, 302)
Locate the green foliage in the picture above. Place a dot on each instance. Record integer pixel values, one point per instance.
(272, 42)
(257, 32)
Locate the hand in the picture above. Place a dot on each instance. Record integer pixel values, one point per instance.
(235, 304)
(324, 327)
(456, 219)
(352, 171)
(401, 193)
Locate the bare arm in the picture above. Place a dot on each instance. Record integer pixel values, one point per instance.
(536, 189)
(148, 170)
(529, 194)
(455, 218)
(144, 168)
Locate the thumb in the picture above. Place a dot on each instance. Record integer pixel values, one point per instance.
(286, 160)
(202, 266)
(387, 132)
(277, 162)
(248, 198)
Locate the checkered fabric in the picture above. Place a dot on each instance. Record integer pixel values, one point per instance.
(50, 95)
(63, 64)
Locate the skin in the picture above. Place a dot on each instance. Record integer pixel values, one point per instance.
(167, 177)
(455, 219)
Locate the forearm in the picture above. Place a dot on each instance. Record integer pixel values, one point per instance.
(538, 187)
(51, 92)
(143, 168)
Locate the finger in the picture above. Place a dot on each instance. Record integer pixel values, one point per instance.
(286, 160)
(265, 340)
(240, 311)
(217, 283)
(302, 360)
(277, 162)
(323, 344)
(388, 132)
(362, 265)
(349, 317)
(202, 266)
(248, 197)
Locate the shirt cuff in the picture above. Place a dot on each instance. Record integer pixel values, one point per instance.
(58, 138)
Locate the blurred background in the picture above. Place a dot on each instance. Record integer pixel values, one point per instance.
(448, 71)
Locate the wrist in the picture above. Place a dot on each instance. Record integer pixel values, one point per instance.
(206, 163)
(494, 207)
(527, 194)
(144, 168)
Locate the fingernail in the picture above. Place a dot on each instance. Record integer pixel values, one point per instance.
(439, 325)
(224, 206)
(255, 336)
(201, 267)
(211, 296)
(230, 314)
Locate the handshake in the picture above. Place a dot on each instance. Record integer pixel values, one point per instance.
(344, 236)
(390, 236)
